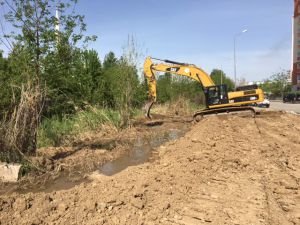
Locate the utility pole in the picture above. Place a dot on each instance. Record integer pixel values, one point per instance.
(221, 75)
(57, 24)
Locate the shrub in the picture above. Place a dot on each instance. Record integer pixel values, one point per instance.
(54, 131)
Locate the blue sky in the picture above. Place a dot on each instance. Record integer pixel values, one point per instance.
(197, 31)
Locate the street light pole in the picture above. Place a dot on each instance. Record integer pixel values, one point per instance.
(234, 53)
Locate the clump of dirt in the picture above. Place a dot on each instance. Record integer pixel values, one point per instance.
(226, 170)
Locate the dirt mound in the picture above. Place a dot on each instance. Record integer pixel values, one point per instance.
(226, 170)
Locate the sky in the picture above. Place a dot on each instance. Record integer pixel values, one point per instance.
(199, 32)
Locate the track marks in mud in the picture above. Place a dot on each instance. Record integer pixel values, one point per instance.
(258, 172)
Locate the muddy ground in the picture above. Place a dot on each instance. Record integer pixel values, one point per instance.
(228, 169)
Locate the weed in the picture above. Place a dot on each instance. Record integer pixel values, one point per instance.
(18, 131)
(54, 131)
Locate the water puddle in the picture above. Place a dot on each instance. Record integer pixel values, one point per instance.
(142, 151)
(60, 183)
(57, 184)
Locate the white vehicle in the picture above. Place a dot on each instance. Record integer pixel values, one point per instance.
(265, 103)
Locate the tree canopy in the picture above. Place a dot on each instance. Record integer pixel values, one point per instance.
(277, 84)
(219, 77)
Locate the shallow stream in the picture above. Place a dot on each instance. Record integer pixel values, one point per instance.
(142, 149)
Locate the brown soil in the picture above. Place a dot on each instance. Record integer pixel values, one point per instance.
(227, 169)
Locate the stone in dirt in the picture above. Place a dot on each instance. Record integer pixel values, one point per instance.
(9, 172)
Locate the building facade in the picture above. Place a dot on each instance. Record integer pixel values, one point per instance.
(296, 47)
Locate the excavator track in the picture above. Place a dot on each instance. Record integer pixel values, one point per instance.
(200, 114)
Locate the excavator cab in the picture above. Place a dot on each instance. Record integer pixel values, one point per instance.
(216, 95)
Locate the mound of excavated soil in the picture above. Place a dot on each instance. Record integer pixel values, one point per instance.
(226, 170)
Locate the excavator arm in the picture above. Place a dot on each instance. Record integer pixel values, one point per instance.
(182, 69)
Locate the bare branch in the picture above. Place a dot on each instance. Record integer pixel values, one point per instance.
(14, 10)
(6, 45)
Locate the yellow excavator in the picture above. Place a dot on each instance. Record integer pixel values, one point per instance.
(217, 97)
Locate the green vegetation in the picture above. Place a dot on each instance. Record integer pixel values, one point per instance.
(54, 131)
(172, 87)
(219, 77)
(54, 87)
(277, 85)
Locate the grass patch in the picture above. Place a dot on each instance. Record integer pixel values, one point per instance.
(53, 131)
(181, 107)
(137, 113)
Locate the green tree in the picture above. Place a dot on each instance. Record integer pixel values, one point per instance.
(36, 23)
(277, 84)
(218, 76)
(171, 87)
(110, 60)
(44, 54)
(40, 57)
(187, 88)
(164, 88)
(110, 68)
(123, 88)
(5, 80)
(93, 75)
(124, 84)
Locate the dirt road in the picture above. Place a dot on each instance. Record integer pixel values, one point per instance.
(225, 170)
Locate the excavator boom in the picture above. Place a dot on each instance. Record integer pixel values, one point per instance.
(182, 69)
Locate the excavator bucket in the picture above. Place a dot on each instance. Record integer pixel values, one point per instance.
(147, 108)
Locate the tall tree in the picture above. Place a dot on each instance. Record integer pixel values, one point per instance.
(93, 73)
(164, 87)
(110, 69)
(35, 23)
(46, 55)
(5, 80)
(110, 60)
(41, 54)
(219, 77)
